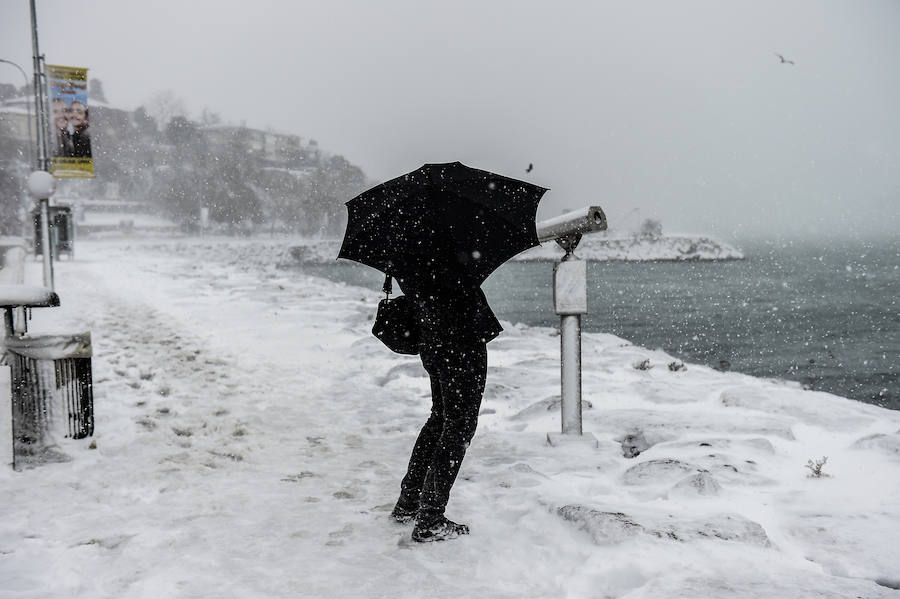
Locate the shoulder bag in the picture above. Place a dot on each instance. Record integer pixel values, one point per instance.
(395, 322)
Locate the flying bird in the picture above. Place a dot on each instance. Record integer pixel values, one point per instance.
(784, 60)
(530, 168)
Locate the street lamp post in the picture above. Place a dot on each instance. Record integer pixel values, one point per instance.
(37, 182)
(41, 116)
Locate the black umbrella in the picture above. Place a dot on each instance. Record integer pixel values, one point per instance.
(444, 223)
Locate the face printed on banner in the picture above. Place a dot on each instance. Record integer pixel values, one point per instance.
(78, 115)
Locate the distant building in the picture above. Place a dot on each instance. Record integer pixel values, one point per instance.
(223, 137)
(271, 146)
(17, 120)
(281, 147)
(113, 216)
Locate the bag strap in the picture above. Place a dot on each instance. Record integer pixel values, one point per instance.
(387, 288)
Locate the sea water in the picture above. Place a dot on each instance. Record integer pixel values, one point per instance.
(826, 317)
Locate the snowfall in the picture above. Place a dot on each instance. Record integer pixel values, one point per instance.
(251, 434)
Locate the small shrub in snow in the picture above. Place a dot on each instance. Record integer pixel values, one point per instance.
(676, 366)
(815, 467)
(643, 365)
(633, 444)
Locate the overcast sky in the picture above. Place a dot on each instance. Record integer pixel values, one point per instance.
(679, 111)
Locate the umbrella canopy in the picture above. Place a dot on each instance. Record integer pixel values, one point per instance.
(442, 224)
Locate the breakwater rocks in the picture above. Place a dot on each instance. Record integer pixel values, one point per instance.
(669, 248)
(593, 248)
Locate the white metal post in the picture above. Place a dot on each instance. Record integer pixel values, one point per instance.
(41, 186)
(45, 243)
(570, 346)
(570, 302)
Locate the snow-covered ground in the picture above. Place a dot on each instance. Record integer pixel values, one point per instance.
(251, 434)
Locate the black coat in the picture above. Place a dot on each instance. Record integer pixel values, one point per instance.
(81, 143)
(453, 316)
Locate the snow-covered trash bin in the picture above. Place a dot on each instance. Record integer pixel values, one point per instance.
(52, 388)
(52, 383)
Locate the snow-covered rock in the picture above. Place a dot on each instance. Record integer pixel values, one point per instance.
(593, 247)
(672, 248)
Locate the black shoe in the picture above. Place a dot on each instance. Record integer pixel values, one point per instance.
(437, 529)
(404, 515)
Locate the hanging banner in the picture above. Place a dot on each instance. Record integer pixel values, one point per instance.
(70, 132)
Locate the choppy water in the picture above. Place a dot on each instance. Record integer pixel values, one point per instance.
(827, 317)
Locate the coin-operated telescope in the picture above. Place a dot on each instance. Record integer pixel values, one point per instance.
(572, 225)
(570, 302)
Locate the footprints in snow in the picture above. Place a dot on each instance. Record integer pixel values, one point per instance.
(296, 478)
(369, 478)
(168, 376)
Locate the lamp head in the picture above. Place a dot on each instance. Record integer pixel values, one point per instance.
(41, 185)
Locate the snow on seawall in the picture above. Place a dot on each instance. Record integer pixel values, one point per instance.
(670, 248)
(595, 247)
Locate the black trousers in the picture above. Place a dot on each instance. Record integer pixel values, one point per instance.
(458, 373)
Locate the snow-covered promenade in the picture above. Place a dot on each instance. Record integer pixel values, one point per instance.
(251, 434)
